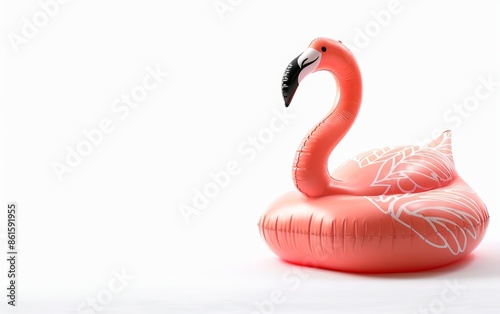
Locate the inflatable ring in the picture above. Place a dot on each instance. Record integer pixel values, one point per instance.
(393, 209)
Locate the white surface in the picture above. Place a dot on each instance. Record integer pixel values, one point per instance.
(120, 207)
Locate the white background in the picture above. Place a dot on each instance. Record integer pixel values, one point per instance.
(119, 208)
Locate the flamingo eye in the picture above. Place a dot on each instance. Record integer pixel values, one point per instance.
(323, 49)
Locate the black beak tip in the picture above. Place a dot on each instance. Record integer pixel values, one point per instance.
(287, 98)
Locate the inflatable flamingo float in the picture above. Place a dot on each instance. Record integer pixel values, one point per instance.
(387, 210)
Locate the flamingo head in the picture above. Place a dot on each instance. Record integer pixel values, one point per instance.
(322, 54)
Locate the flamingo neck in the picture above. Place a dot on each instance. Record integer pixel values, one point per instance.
(310, 171)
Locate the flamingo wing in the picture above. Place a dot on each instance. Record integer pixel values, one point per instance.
(443, 218)
(402, 169)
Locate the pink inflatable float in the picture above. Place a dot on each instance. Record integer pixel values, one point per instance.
(387, 210)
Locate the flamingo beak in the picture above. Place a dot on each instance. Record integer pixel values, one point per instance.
(297, 70)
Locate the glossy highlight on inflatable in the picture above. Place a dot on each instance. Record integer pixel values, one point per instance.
(392, 209)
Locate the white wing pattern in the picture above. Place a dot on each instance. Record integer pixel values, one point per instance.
(443, 218)
(412, 168)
